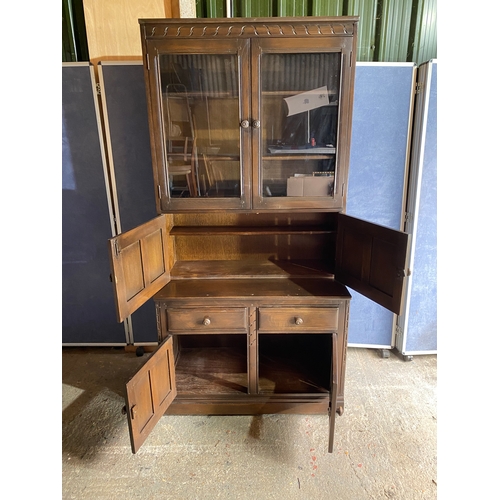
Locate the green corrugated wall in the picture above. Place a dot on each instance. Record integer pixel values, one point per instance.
(389, 30)
(367, 12)
(395, 18)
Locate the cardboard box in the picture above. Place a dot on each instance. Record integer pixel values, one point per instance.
(309, 185)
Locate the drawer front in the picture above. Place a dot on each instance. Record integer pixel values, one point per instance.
(304, 319)
(207, 320)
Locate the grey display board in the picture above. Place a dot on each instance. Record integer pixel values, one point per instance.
(88, 308)
(129, 156)
(383, 103)
(418, 324)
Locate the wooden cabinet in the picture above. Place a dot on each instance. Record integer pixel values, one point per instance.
(250, 114)
(250, 256)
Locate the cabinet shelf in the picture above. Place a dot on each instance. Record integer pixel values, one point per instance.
(295, 156)
(199, 95)
(212, 370)
(291, 93)
(251, 269)
(242, 230)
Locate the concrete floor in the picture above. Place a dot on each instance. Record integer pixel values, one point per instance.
(385, 442)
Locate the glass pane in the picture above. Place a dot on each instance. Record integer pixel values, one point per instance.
(201, 117)
(299, 118)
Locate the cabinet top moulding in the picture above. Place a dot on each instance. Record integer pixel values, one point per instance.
(248, 27)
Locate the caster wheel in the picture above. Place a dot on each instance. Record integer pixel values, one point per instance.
(340, 411)
(407, 358)
(384, 353)
(139, 352)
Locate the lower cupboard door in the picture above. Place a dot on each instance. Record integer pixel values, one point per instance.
(333, 392)
(149, 393)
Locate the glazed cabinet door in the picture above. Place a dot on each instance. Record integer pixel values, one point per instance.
(301, 107)
(139, 265)
(373, 260)
(198, 109)
(149, 393)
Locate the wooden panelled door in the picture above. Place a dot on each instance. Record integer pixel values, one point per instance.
(139, 265)
(149, 393)
(139, 269)
(372, 260)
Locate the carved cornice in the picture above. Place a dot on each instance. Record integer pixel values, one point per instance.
(159, 29)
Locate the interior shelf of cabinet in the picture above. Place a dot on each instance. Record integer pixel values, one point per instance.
(250, 268)
(295, 157)
(212, 369)
(196, 94)
(290, 93)
(247, 230)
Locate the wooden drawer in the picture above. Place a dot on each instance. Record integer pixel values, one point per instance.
(304, 319)
(208, 320)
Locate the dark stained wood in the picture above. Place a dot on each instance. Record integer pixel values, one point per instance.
(294, 363)
(252, 352)
(334, 389)
(250, 268)
(346, 48)
(248, 230)
(372, 260)
(207, 320)
(139, 264)
(212, 371)
(250, 290)
(248, 40)
(280, 291)
(300, 319)
(149, 393)
(301, 404)
(313, 220)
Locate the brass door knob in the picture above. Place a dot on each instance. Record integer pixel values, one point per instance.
(256, 124)
(245, 124)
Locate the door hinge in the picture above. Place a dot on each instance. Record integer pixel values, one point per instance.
(408, 221)
(133, 411)
(419, 87)
(159, 192)
(403, 273)
(98, 88)
(399, 331)
(117, 250)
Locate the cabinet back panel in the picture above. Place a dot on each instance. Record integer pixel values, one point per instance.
(294, 363)
(268, 246)
(325, 219)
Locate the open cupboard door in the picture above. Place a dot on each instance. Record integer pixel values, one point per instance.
(372, 260)
(139, 265)
(149, 393)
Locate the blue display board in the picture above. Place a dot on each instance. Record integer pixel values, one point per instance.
(383, 100)
(124, 96)
(88, 308)
(420, 328)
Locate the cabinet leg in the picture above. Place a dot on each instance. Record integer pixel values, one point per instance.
(340, 411)
(384, 353)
